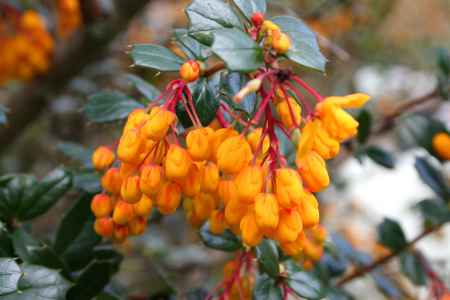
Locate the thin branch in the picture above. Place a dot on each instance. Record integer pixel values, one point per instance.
(382, 260)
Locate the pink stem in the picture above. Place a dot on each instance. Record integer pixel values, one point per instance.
(308, 88)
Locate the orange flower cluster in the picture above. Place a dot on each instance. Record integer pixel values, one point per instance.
(274, 37)
(69, 17)
(26, 47)
(238, 287)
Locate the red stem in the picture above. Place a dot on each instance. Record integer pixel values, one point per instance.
(308, 88)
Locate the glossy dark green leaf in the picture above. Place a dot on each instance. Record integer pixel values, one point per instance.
(225, 242)
(249, 7)
(266, 289)
(76, 152)
(13, 193)
(434, 211)
(268, 258)
(191, 47)
(3, 111)
(305, 49)
(233, 83)
(9, 275)
(412, 268)
(306, 285)
(155, 57)
(391, 235)
(39, 283)
(380, 156)
(365, 124)
(146, 89)
(237, 50)
(432, 177)
(45, 194)
(75, 238)
(87, 181)
(6, 247)
(109, 106)
(443, 58)
(207, 16)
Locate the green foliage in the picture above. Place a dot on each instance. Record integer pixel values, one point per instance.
(146, 89)
(380, 156)
(412, 267)
(190, 46)
(304, 284)
(249, 7)
(434, 211)
(268, 258)
(9, 276)
(432, 177)
(391, 235)
(155, 57)
(364, 119)
(226, 242)
(266, 289)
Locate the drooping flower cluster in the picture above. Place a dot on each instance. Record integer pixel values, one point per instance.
(69, 17)
(26, 46)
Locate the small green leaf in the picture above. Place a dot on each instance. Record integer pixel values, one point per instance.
(249, 7)
(306, 285)
(266, 289)
(305, 49)
(109, 106)
(432, 177)
(75, 238)
(337, 294)
(9, 276)
(76, 152)
(434, 211)
(207, 16)
(155, 57)
(146, 89)
(443, 56)
(226, 242)
(412, 268)
(237, 50)
(380, 156)
(233, 83)
(267, 255)
(87, 181)
(39, 283)
(365, 123)
(6, 246)
(13, 194)
(191, 47)
(391, 235)
(45, 194)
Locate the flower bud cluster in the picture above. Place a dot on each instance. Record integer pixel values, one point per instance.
(69, 17)
(275, 38)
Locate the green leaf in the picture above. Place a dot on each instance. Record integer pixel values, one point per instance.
(9, 275)
(380, 156)
(305, 49)
(155, 57)
(233, 83)
(109, 106)
(75, 238)
(205, 102)
(146, 89)
(76, 152)
(268, 258)
(434, 211)
(35, 252)
(87, 181)
(249, 7)
(337, 294)
(3, 111)
(45, 194)
(39, 283)
(207, 16)
(226, 242)
(412, 268)
(13, 193)
(237, 50)
(365, 124)
(432, 177)
(306, 285)
(391, 235)
(6, 247)
(190, 46)
(443, 57)
(266, 289)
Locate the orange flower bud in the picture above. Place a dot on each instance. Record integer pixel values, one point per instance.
(126, 170)
(190, 185)
(350, 101)
(293, 248)
(178, 162)
(197, 142)
(289, 226)
(218, 137)
(136, 119)
(281, 42)
(323, 144)
(123, 212)
(257, 19)
(310, 211)
(251, 235)
(151, 177)
(288, 187)
(129, 146)
(104, 227)
(269, 26)
(229, 269)
(227, 191)
(234, 154)
(441, 145)
(144, 207)
(190, 71)
(249, 183)
(254, 139)
(158, 124)
(319, 234)
(235, 211)
(288, 118)
(251, 87)
(31, 21)
(204, 205)
(312, 250)
(192, 218)
(137, 226)
(112, 181)
(338, 123)
(210, 177)
(120, 234)
(102, 158)
(266, 211)
(101, 205)
(130, 190)
(168, 198)
(217, 222)
(308, 265)
(157, 154)
(313, 170)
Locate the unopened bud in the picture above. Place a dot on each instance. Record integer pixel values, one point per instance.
(251, 87)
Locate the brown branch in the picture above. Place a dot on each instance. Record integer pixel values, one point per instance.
(83, 49)
(375, 264)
